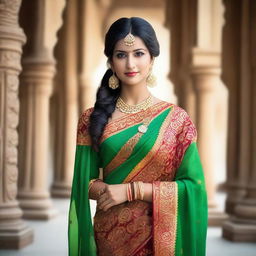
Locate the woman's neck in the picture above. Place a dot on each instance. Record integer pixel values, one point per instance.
(134, 95)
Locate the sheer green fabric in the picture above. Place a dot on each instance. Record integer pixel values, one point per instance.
(192, 205)
(80, 232)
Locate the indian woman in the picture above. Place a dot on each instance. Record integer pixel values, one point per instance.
(151, 197)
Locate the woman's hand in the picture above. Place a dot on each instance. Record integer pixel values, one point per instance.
(113, 195)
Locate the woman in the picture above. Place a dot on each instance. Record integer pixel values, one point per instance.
(151, 200)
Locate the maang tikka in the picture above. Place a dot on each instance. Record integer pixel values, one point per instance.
(129, 40)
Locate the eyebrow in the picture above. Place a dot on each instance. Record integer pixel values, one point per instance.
(133, 50)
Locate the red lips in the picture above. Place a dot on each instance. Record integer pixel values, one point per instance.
(131, 73)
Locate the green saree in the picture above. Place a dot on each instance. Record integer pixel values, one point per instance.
(166, 156)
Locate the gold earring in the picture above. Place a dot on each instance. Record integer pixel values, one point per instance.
(113, 82)
(151, 80)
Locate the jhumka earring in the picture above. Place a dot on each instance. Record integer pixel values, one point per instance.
(151, 80)
(113, 82)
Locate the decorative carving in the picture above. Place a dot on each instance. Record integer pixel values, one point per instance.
(9, 10)
(10, 59)
(12, 176)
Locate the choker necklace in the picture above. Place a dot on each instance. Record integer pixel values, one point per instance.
(126, 108)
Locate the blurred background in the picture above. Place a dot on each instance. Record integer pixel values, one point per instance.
(51, 63)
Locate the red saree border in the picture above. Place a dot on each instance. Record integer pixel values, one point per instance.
(165, 211)
(115, 126)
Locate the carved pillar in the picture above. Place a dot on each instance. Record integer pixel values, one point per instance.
(195, 69)
(14, 233)
(181, 20)
(239, 67)
(65, 102)
(35, 91)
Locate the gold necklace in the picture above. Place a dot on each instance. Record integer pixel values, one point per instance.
(126, 108)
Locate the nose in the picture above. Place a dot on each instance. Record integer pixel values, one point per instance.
(130, 63)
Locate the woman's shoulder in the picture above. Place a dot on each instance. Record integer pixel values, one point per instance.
(85, 116)
(83, 136)
(177, 111)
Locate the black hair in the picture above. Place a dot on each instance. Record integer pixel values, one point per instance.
(106, 97)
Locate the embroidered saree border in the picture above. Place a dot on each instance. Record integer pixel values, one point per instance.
(115, 126)
(83, 137)
(180, 128)
(165, 210)
(122, 123)
(128, 147)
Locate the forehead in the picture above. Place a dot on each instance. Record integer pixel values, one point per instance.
(138, 44)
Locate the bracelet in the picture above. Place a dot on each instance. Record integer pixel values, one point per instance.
(141, 190)
(129, 192)
(132, 187)
(135, 190)
(91, 183)
(138, 190)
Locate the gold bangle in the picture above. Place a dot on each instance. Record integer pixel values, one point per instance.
(135, 190)
(141, 189)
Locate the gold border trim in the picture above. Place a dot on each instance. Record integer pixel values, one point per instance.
(165, 212)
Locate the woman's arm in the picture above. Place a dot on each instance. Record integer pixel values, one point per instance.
(115, 194)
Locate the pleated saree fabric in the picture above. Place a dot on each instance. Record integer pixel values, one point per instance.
(166, 156)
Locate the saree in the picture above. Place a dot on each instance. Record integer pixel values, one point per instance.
(166, 155)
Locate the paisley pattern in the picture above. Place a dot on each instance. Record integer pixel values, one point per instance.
(123, 229)
(83, 137)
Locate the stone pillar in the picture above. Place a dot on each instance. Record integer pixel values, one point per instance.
(239, 67)
(195, 69)
(205, 77)
(14, 233)
(65, 102)
(35, 91)
(90, 48)
(205, 73)
(181, 20)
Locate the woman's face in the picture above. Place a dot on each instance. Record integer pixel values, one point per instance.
(131, 63)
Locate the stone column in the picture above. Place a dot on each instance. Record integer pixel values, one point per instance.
(181, 20)
(195, 69)
(65, 102)
(36, 89)
(14, 233)
(239, 67)
(90, 48)
(205, 72)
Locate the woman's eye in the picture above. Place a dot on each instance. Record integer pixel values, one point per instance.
(139, 54)
(120, 55)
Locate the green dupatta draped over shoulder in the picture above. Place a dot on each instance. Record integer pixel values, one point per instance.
(166, 156)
